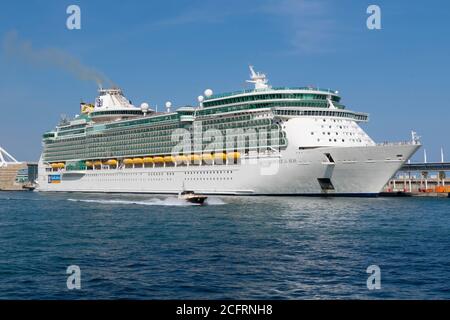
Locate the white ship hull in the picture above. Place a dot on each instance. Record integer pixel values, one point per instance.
(362, 170)
(315, 147)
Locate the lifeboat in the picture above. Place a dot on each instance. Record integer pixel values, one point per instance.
(111, 162)
(233, 155)
(138, 161)
(220, 157)
(207, 157)
(57, 165)
(148, 160)
(128, 161)
(158, 160)
(97, 163)
(181, 159)
(89, 163)
(169, 159)
(195, 158)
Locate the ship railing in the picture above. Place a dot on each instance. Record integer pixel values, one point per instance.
(399, 143)
(256, 155)
(232, 93)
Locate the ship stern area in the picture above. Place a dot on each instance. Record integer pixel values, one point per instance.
(47, 180)
(361, 171)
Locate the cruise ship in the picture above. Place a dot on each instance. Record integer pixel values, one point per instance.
(262, 141)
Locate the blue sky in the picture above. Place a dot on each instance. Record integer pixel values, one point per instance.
(173, 50)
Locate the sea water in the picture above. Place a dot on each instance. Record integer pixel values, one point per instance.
(159, 247)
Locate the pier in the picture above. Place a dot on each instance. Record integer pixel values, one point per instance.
(421, 179)
(15, 175)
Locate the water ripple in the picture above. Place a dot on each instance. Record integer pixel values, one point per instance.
(156, 247)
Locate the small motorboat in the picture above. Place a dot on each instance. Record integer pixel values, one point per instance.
(192, 197)
(30, 186)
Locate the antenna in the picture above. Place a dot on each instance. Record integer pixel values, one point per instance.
(415, 138)
(330, 103)
(258, 79)
(252, 72)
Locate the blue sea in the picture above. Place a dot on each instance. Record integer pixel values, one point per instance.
(158, 247)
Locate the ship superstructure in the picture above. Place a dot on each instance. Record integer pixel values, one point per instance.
(264, 140)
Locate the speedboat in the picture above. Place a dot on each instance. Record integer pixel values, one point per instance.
(192, 197)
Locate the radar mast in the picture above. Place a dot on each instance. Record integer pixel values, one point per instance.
(258, 79)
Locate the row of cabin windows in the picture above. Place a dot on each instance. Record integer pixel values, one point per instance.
(143, 149)
(153, 131)
(321, 113)
(148, 135)
(152, 141)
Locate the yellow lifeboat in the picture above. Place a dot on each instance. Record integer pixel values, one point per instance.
(195, 158)
(57, 165)
(233, 155)
(128, 161)
(111, 162)
(207, 157)
(168, 159)
(89, 163)
(158, 160)
(181, 159)
(97, 163)
(148, 160)
(138, 161)
(220, 157)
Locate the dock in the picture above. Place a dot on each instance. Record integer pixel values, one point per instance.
(15, 175)
(423, 179)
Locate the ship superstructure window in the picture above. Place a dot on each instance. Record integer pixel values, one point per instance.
(211, 102)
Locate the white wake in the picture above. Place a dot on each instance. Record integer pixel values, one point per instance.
(170, 201)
